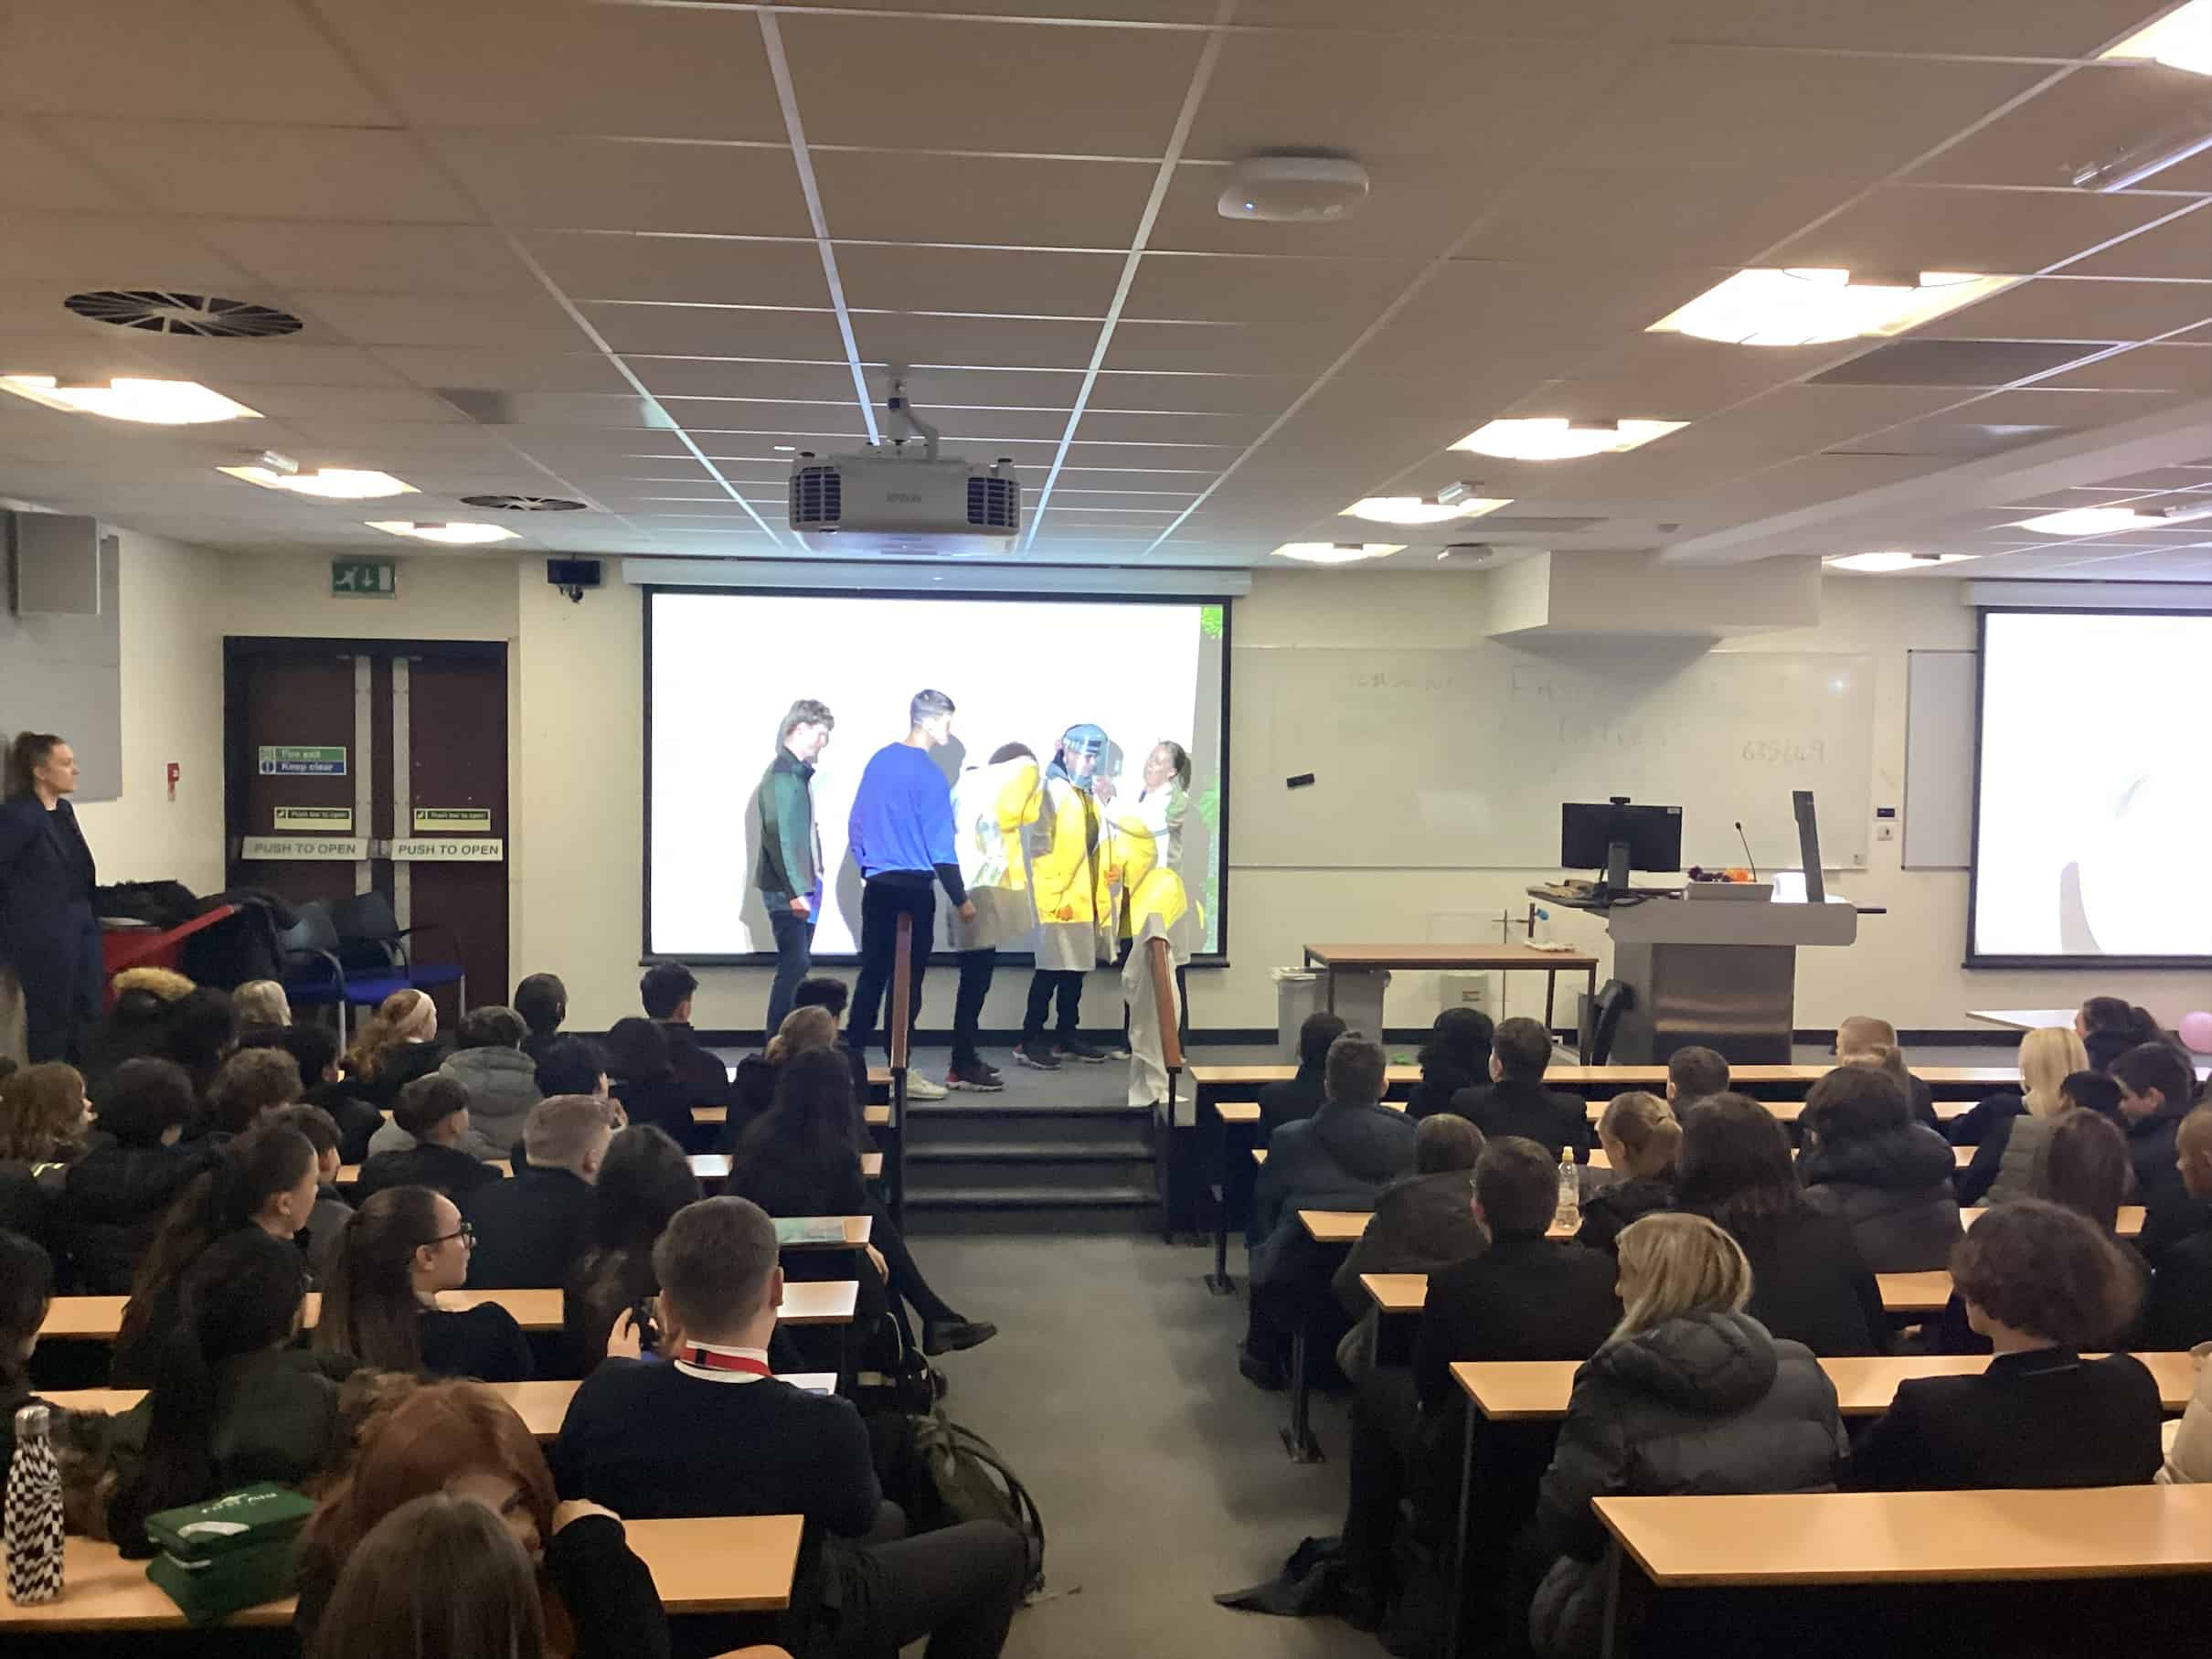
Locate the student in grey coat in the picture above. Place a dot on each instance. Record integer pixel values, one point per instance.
(502, 1080)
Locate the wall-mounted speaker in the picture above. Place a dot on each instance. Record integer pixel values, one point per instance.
(56, 565)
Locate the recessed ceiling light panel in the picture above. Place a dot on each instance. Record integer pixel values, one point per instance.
(1877, 563)
(1548, 439)
(2092, 521)
(450, 535)
(1809, 306)
(1336, 552)
(328, 483)
(1421, 509)
(151, 402)
(2181, 40)
(168, 312)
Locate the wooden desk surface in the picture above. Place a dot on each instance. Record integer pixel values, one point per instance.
(1505, 956)
(855, 1231)
(726, 1564)
(1259, 1154)
(541, 1404)
(349, 1174)
(1619, 1078)
(97, 1318)
(1901, 1292)
(1907, 1537)
(1238, 1111)
(871, 1166)
(710, 1165)
(1537, 1390)
(1962, 1155)
(2128, 1224)
(1346, 1226)
(876, 1117)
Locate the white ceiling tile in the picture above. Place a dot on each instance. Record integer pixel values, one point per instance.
(2179, 368)
(2078, 308)
(387, 258)
(2095, 113)
(1201, 288)
(914, 83)
(1301, 346)
(1933, 227)
(1633, 216)
(636, 71)
(93, 252)
(546, 182)
(720, 331)
(292, 360)
(681, 270)
(211, 61)
(297, 171)
(707, 377)
(1225, 394)
(2182, 248)
(35, 174)
(890, 278)
(2042, 28)
(514, 371)
(516, 320)
(1011, 200)
(1416, 208)
(924, 340)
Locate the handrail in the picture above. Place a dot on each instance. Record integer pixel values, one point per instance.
(902, 992)
(1164, 998)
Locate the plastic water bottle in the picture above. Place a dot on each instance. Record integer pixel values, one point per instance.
(33, 1520)
(1568, 1217)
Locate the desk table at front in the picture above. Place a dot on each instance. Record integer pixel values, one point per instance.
(1503, 958)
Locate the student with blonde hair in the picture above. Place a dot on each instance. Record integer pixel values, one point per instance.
(1688, 1393)
(2012, 1146)
(1641, 1136)
(395, 1046)
(260, 1004)
(1861, 1039)
(804, 1029)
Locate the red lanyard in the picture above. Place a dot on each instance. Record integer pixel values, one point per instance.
(707, 1359)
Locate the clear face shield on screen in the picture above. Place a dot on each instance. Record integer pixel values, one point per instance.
(1081, 749)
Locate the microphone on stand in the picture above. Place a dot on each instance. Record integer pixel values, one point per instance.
(1747, 849)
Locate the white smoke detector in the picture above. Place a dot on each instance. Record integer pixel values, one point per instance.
(1293, 189)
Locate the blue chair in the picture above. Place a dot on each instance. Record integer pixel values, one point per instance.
(378, 956)
(308, 963)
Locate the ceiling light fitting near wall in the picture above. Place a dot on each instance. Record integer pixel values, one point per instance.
(1548, 439)
(1293, 189)
(1880, 563)
(450, 535)
(2106, 521)
(1455, 501)
(149, 402)
(1336, 552)
(2182, 39)
(272, 470)
(1811, 306)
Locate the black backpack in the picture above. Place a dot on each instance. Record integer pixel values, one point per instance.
(974, 1483)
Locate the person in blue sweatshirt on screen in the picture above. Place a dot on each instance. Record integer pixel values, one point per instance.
(900, 832)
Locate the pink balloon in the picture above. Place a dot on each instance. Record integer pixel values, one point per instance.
(2197, 1031)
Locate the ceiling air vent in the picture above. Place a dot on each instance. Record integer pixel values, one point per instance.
(524, 503)
(160, 312)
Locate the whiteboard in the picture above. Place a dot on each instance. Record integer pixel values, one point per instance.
(1939, 690)
(1460, 759)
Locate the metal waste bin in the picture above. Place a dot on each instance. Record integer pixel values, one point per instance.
(1298, 993)
(1358, 999)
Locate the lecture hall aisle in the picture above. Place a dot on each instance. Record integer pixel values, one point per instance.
(1113, 1390)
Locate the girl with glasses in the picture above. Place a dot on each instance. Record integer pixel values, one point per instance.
(402, 1246)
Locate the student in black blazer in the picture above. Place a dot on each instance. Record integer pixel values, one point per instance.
(1517, 1103)
(48, 934)
(2038, 1280)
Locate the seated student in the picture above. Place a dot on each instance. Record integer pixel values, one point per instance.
(1516, 1101)
(821, 990)
(1299, 1097)
(230, 1400)
(443, 1576)
(1863, 1039)
(650, 1439)
(1455, 1057)
(114, 1197)
(134, 1027)
(2110, 1026)
(1423, 1222)
(1889, 1178)
(573, 1065)
(1642, 1138)
(248, 1085)
(806, 1029)
(459, 1441)
(2157, 1088)
(643, 1180)
(667, 989)
(26, 1292)
(2015, 1128)
(2189, 1449)
(530, 1230)
(1340, 1158)
(803, 1159)
(1809, 1283)
(1690, 1394)
(1526, 1297)
(266, 1182)
(2039, 1282)
(326, 1221)
(543, 1002)
(395, 1046)
(260, 1004)
(403, 1246)
(641, 1061)
(502, 1080)
(1695, 1074)
(197, 1030)
(433, 1113)
(2179, 1313)
(43, 1124)
(315, 1049)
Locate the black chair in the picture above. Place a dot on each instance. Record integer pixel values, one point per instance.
(1616, 998)
(378, 953)
(308, 964)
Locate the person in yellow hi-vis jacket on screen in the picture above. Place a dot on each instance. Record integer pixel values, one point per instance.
(992, 806)
(1148, 840)
(1073, 884)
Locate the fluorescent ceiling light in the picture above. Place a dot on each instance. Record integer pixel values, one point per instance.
(1810, 306)
(330, 483)
(1549, 438)
(156, 402)
(2180, 40)
(2094, 521)
(452, 535)
(1879, 562)
(1336, 552)
(1421, 509)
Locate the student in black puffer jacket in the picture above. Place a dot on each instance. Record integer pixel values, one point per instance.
(1689, 1395)
(113, 1198)
(1867, 1161)
(1640, 1139)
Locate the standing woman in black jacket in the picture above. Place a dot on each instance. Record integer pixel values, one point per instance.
(48, 934)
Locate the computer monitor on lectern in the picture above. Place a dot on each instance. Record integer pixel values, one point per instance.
(1617, 837)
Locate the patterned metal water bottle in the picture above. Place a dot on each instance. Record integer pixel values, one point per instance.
(33, 1512)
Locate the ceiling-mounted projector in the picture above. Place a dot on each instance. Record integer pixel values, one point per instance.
(899, 499)
(1292, 190)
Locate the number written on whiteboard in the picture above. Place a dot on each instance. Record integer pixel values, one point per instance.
(1785, 751)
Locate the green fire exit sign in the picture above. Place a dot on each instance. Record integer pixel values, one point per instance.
(372, 578)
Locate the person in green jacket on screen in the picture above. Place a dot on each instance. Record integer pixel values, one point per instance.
(790, 872)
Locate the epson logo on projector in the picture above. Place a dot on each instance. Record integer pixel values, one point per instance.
(904, 498)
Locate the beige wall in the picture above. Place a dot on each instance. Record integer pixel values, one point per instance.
(576, 775)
